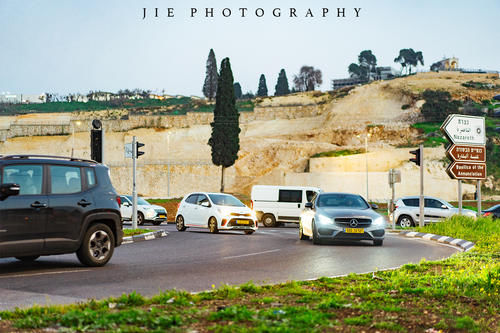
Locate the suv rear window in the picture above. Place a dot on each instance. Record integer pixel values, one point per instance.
(411, 202)
(290, 196)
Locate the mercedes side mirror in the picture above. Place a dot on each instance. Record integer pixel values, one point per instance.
(309, 205)
(444, 207)
(374, 206)
(6, 190)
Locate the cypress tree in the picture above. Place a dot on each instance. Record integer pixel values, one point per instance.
(262, 91)
(237, 90)
(210, 85)
(225, 141)
(281, 87)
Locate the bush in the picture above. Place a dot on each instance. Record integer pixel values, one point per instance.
(438, 105)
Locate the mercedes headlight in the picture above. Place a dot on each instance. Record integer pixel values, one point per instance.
(322, 219)
(379, 222)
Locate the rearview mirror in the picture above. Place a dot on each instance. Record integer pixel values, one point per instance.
(374, 206)
(6, 190)
(309, 205)
(126, 204)
(444, 207)
(205, 204)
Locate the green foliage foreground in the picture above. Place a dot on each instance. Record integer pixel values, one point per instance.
(459, 294)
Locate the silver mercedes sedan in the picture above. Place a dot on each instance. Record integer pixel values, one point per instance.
(341, 216)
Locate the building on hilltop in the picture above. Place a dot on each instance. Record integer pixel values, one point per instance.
(381, 73)
(447, 64)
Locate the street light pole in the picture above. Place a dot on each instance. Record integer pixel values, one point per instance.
(366, 162)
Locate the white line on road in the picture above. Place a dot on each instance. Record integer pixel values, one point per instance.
(251, 254)
(44, 273)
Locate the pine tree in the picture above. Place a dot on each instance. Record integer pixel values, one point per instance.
(237, 90)
(281, 87)
(210, 85)
(225, 140)
(262, 91)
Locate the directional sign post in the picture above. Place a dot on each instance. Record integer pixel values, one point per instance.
(467, 152)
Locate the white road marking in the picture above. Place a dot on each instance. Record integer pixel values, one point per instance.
(251, 254)
(44, 273)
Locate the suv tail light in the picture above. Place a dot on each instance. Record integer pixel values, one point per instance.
(119, 200)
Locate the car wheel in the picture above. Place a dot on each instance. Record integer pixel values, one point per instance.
(179, 223)
(157, 222)
(405, 221)
(97, 246)
(212, 225)
(301, 232)
(249, 232)
(315, 234)
(268, 220)
(378, 242)
(28, 258)
(140, 218)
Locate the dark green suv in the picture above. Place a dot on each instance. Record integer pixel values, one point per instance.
(56, 205)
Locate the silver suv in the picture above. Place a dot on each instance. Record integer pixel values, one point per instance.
(407, 211)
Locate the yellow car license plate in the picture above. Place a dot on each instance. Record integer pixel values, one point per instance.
(354, 230)
(162, 216)
(242, 222)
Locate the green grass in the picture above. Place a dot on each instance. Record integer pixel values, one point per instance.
(155, 201)
(177, 106)
(133, 232)
(336, 153)
(461, 293)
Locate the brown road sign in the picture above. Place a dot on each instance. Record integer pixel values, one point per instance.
(465, 170)
(463, 153)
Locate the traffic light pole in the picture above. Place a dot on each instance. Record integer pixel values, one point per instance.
(460, 197)
(134, 190)
(421, 201)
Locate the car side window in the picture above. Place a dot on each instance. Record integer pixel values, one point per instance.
(290, 196)
(65, 179)
(29, 177)
(202, 199)
(90, 176)
(192, 199)
(310, 195)
(432, 203)
(411, 202)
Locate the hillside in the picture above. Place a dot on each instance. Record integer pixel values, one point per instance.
(277, 139)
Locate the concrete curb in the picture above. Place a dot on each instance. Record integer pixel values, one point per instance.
(145, 237)
(462, 244)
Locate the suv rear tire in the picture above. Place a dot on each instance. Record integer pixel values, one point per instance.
(97, 247)
(405, 221)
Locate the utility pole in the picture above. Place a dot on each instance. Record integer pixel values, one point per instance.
(134, 190)
(421, 201)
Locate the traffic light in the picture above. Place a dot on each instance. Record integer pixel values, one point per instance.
(415, 160)
(96, 145)
(137, 146)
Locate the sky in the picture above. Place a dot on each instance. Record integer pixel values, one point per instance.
(63, 46)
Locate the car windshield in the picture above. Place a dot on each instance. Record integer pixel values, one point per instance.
(225, 200)
(140, 201)
(339, 200)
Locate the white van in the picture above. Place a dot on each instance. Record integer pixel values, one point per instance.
(276, 204)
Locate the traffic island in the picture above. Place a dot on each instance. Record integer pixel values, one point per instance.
(460, 243)
(144, 237)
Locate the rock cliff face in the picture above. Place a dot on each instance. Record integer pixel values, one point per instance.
(277, 140)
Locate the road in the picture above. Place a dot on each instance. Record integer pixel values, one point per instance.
(196, 260)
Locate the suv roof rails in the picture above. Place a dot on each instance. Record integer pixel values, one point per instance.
(28, 156)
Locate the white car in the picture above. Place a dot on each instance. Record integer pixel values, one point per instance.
(146, 212)
(215, 211)
(407, 211)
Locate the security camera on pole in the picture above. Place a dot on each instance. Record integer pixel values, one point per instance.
(132, 151)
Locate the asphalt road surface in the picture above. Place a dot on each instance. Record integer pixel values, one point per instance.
(195, 260)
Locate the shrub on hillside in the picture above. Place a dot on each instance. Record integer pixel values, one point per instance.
(438, 105)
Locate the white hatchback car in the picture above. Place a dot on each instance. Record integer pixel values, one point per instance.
(215, 211)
